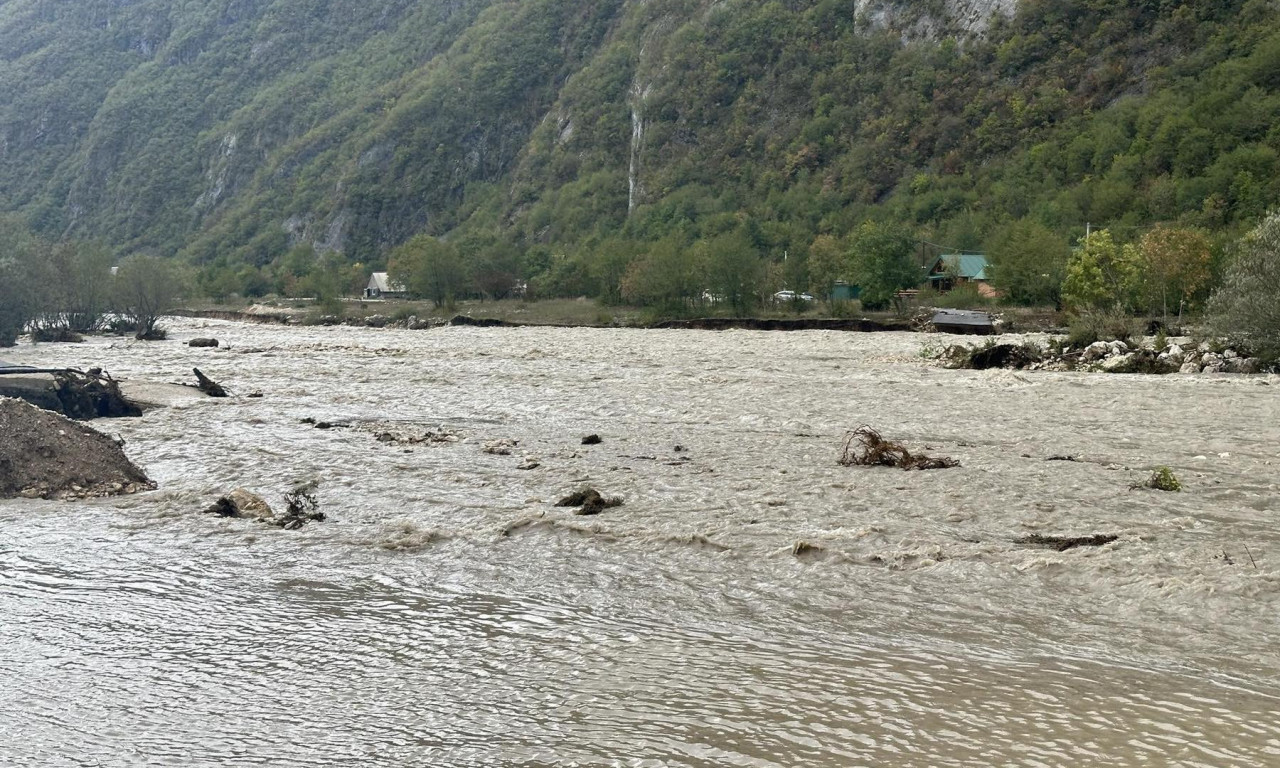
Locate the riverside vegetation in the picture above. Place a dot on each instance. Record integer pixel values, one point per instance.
(670, 154)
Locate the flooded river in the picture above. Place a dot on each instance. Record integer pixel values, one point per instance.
(753, 603)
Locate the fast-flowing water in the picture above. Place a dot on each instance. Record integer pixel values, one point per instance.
(752, 603)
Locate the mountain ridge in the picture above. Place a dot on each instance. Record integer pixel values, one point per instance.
(233, 134)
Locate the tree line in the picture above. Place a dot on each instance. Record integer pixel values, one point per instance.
(60, 290)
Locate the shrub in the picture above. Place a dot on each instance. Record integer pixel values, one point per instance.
(1246, 309)
(1090, 326)
(1163, 479)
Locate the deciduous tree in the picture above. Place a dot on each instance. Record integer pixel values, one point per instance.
(1246, 308)
(1175, 265)
(1101, 275)
(1028, 263)
(884, 261)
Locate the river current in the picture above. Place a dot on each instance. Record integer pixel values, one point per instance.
(753, 603)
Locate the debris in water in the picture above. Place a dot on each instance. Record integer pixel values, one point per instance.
(992, 356)
(804, 548)
(208, 385)
(501, 447)
(414, 438)
(92, 395)
(864, 447)
(1067, 457)
(590, 500)
(529, 463)
(1063, 543)
(202, 343)
(1162, 479)
(302, 507)
(592, 440)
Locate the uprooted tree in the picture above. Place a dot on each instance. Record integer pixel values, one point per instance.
(865, 447)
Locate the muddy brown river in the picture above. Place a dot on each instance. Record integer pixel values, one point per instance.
(753, 603)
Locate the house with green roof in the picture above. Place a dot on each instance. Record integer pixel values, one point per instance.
(952, 269)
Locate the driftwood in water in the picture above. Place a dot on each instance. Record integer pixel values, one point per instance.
(864, 447)
(92, 395)
(1063, 543)
(208, 385)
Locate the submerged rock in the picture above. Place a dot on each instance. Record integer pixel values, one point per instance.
(242, 503)
(502, 447)
(45, 455)
(590, 502)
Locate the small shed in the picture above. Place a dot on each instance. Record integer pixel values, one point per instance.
(842, 291)
(381, 287)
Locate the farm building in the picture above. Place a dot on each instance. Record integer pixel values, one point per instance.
(952, 269)
(381, 287)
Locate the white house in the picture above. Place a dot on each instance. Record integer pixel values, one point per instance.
(381, 287)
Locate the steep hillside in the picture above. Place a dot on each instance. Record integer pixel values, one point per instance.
(554, 130)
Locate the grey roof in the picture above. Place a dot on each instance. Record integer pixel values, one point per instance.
(962, 317)
(379, 282)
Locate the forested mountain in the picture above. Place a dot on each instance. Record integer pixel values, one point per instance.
(560, 140)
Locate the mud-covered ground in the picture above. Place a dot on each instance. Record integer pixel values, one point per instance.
(752, 602)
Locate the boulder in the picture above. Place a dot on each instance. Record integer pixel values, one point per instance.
(1095, 351)
(1117, 363)
(242, 503)
(1190, 367)
(1242, 365)
(202, 343)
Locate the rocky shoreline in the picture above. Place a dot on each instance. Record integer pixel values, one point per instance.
(1116, 356)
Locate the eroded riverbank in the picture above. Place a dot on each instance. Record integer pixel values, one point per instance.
(452, 612)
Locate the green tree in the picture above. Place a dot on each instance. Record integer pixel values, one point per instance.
(1175, 265)
(145, 288)
(731, 268)
(431, 268)
(79, 285)
(22, 286)
(1101, 275)
(610, 260)
(1246, 307)
(664, 276)
(1028, 263)
(828, 262)
(884, 261)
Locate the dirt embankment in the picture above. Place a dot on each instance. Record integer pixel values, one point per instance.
(787, 324)
(44, 455)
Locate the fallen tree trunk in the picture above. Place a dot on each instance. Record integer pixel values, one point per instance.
(208, 385)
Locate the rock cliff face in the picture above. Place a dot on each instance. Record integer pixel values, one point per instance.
(934, 20)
